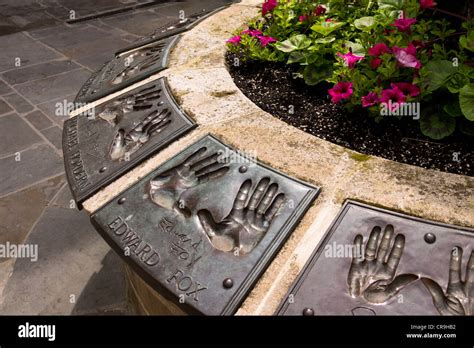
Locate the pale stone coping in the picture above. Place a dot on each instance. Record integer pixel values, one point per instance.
(205, 90)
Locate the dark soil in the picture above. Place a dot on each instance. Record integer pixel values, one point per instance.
(272, 87)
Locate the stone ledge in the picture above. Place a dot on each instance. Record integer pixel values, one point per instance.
(206, 91)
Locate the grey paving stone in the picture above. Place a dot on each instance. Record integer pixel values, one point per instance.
(28, 50)
(4, 88)
(20, 104)
(36, 164)
(188, 6)
(148, 20)
(52, 30)
(54, 135)
(53, 87)
(64, 199)
(39, 71)
(16, 135)
(4, 107)
(89, 46)
(72, 260)
(54, 109)
(17, 217)
(39, 120)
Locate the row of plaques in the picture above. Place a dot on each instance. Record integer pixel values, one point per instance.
(203, 227)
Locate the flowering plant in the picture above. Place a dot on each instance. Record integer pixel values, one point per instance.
(380, 55)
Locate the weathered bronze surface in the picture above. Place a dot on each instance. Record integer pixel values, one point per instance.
(176, 28)
(378, 262)
(204, 226)
(127, 69)
(119, 135)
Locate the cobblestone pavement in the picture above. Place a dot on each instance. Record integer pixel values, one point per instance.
(41, 70)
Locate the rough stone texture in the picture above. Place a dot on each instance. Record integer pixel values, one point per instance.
(16, 135)
(203, 87)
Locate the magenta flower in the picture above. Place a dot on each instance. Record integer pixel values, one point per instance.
(252, 32)
(342, 90)
(378, 49)
(320, 10)
(303, 18)
(424, 4)
(350, 59)
(234, 40)
(265, 40)
(375, 63)
(370, 99)
(404, 24)
(406, 57)
(407, 88)
(268, 6)
(328, 20)
(392, 97)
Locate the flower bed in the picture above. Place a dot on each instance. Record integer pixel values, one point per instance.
(401, 69)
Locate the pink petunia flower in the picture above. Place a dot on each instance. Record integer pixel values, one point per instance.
(407, 88)
(303, 18)
(406, 57)
(328, 20)
(320, 10)
(392, 97)
(342, 90)
(378, 49)
(370, 99)
(234, 40)
(252, 32)
(265, 40)
(424, 4)
(268, 6)
(375, 63)
(350, 59)
(404, 24)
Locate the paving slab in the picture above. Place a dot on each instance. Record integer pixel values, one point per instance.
(53, 87)
(35, 164)
(39, 120)
(26, 49)
(4, 107)
(74, 269)
(148, 20)
(39, 71)
(56, 109)
(17, 217)
(4, 88)
(16, 135)
(54, 135)
(20, 104)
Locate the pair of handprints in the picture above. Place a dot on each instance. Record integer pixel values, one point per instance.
(251, 214)
(374, 277)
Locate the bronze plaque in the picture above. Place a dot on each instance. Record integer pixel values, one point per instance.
(378, 262)
(118, 135)
(203, 227)
(126, 69)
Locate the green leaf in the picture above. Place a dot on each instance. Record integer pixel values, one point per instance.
(456, 82)
(467, 41)
(436, 73)
(356, 48)
(453, 109)
(466, 127)
(391, 5)
(325, 40)
(466, 100)
(316, 74)
(296, 57)
(326, 28)
(365, 23)
(296, 42)
(437, 125)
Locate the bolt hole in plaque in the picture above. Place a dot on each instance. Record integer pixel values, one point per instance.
(126, 69)
(201, 228)
(121, 133)
(378, 262)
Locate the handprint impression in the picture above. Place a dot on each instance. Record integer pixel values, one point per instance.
(166, 189)
(126, 143)
(459, 297)
(247, 223)
(373, 277)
